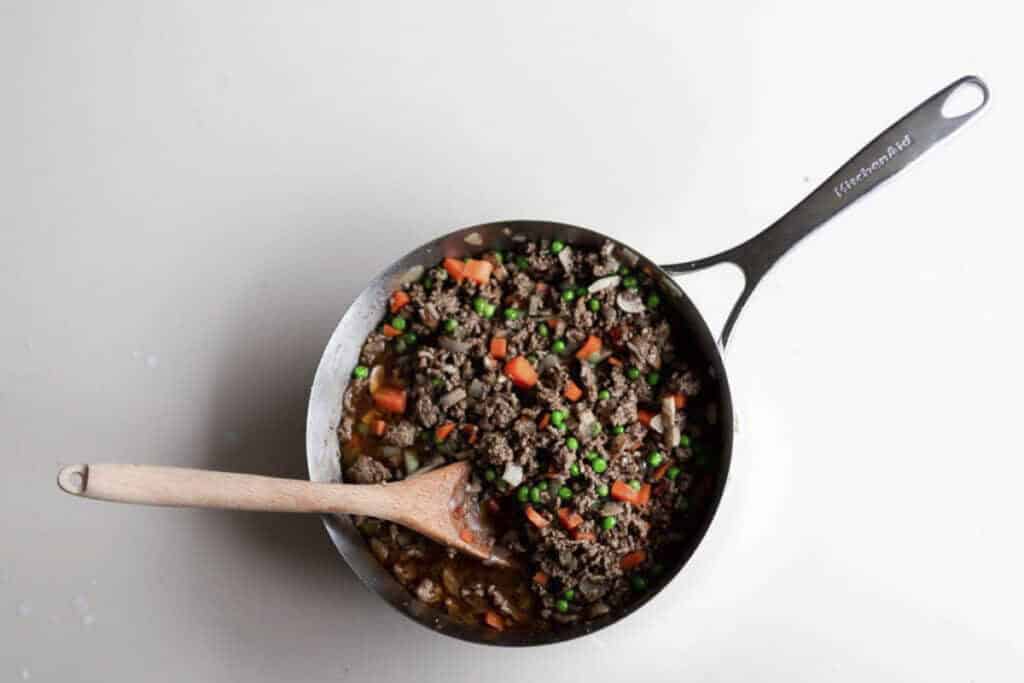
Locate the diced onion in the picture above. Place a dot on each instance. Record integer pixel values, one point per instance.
(604, 283)
(451, 398)
(412, 463)
(412, 275)
(630, 302)
(513, 474)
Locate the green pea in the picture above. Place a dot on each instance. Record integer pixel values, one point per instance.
(543, 330)
(569, 594)
(572, 443)
(581, 292)
(499, 257)
(534, 495)
(608, 523)
(557, 417)
(633, 373)
(623, 270)
(635, 484)
(564, 492)
(568, 295)
(490, 474)
(629, 282)
(437, 382)
(684, 440)
(451, 324)
(561, 427)
(557, 246)
(410, 338)
(522, 263)
(653, 378)
(590, 455)
(489, 310)
(599, 465)
(594, 305)
(653, 301)
(638, 583)
(558, 346)
(604, 394)
(522, 494)
(361, 372)
(602, 490)
(562, 605)
(673, 472)
(400, 346)
(398, 322)
(479, 305)
(618, 429)
(655, 459)
(574, 469)
(428, 284)
(596, 429)
(511, 314)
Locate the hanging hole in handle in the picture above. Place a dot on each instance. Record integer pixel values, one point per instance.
(967, 98)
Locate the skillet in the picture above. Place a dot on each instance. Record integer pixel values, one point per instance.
(880, 159)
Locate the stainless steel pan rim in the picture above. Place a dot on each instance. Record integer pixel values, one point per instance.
(879, 160)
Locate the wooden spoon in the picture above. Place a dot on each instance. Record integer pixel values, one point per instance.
(434, 504)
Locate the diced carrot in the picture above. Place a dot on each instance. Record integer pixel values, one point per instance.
(467, 536)
(645, 417)
(537, 519)
(572, 392)
(471, 432)
(552, 323)
(612, 360)
(540, 578)
(499, 347)
(494, 620)
(442, 432)
(455, 268)
(390, 399)
(379, 427)
(591, 346)
(478, 271)
(521, 372)
(398, 300)
(623, 492)
(680, 399)
(544, 421)
(632, 560)
(570, 519)
(660, 472)
(391, 331)
(581, 535)
(643, 496)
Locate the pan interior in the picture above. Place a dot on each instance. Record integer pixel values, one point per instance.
(340, 358)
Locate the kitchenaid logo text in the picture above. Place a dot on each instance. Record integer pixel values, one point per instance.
(865, 171)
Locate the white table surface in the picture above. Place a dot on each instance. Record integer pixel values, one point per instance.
(193, 192)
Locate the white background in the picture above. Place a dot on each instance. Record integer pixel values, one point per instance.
(193, 192)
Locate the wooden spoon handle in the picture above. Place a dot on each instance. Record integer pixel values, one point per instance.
(183, 487)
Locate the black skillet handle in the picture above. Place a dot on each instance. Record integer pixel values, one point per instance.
(882, 158)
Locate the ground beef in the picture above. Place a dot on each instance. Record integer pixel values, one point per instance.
(366, 470)
(401, 433)
(495, 449)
